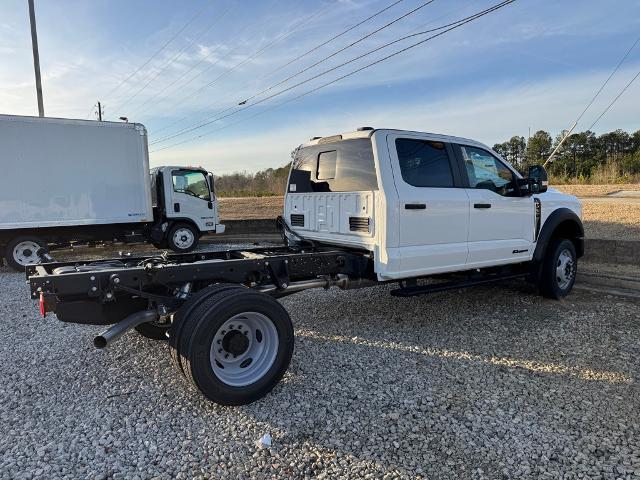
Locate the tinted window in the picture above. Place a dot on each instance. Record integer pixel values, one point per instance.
(191, 183)
(424, 163)
(343, 166)
(327, 165)
(486, 171)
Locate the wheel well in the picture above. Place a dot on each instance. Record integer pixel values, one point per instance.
(572, 231)
(183, 221)
(562, 223)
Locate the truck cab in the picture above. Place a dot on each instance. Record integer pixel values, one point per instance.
(184, 206)
(425, 203)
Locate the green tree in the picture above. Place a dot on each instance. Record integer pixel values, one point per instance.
(538, 148)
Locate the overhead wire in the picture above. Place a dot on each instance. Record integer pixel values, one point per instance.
(335, 37)
(254, 55)
(322, 60)
(615, 100)
(448, 28)
(210, 53)
(315, 48)
(568, 133)
(337, 52)
(173, 59)
(157, 52)
(608, 78)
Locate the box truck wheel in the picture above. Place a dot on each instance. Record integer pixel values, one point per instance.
(22, 251)
(182, 238)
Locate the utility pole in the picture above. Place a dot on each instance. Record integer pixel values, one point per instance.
(36, 57)
(99, 111)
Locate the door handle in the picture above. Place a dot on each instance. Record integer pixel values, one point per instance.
(481, 205)
(176, 207)
(415, 206)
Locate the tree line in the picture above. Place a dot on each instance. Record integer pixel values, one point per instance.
(584, 157)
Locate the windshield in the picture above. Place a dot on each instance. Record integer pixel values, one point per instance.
(192, 183)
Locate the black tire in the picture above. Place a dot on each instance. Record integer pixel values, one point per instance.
(554, 285)
(14, 262)
(189, 232)
(153, 331)
(201, 328)
(176, 341)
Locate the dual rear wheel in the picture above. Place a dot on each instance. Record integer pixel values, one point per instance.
(233, 344)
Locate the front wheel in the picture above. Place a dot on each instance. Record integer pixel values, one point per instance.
(559, 269)
(238, 346)
(23, 251)
(182, 238)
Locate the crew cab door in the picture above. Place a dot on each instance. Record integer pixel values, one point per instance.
(189, 197)
(433, 205)
(501, 223)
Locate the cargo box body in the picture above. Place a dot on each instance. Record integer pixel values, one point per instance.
(62, 172)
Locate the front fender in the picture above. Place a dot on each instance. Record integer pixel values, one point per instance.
(562, 222)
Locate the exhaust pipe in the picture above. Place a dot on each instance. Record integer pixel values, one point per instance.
(114, 332)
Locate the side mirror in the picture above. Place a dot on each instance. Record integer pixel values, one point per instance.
(538, 179)
(211, 191)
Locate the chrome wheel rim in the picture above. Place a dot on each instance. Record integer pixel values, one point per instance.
(25, 253)
(183, 238)
(244, 348)
(565, 269)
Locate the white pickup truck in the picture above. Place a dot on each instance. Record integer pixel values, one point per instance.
(425, 204)
(428, 212)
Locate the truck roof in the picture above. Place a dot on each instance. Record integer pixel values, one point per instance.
(70, 121)
(366, 132)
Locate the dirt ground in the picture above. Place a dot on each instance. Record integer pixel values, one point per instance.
(250, 208)
(596, 190)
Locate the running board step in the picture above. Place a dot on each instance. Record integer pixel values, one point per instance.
(441, 287)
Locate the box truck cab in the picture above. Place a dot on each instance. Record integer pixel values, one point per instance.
(68, 181)
(184, 206)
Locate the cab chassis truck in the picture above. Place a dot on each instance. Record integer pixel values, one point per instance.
(428, 212)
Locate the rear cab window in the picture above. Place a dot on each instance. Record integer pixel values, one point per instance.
(424, 163)
(341, 166)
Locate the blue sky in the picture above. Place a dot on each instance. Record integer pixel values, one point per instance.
(534, 64)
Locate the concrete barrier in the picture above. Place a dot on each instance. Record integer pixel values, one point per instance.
(625, 252)
(621, 252)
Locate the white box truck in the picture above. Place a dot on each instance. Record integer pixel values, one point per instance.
(64, 181)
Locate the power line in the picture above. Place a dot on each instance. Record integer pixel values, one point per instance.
(165, 45)
(615, 99)
(322, 60)
(450, 27)
(223, 57)
(607, 80)
(456, 24)
(387, 25)
(181, 76)
(256, 53)
(173, 59)
(326, 42)
(335, 37)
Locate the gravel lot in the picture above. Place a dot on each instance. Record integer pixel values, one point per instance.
(494, 382)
